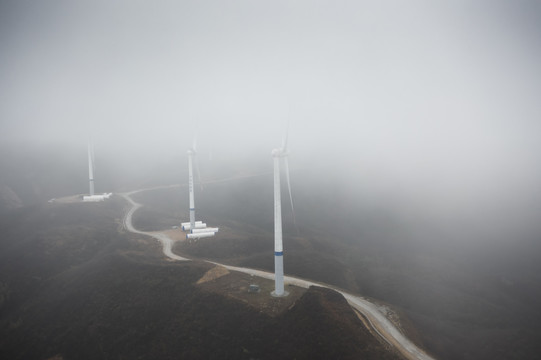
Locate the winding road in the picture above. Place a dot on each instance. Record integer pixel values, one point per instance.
(377, 319)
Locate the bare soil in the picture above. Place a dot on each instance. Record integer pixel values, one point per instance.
(236, 285)
(174, 234)
(213, 274)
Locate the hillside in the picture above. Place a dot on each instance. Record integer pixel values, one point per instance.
(467, 305)
(74, 285)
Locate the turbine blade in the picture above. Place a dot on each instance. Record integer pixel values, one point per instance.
(284, 140)
(194, 143)
(286, 165)
(198, 173)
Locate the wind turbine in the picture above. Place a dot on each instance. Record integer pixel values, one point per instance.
(193, 225)
(191, 154)
(92, 197)
(91, 166)
(277, 154)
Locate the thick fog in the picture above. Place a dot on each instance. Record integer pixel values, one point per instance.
(430, 110)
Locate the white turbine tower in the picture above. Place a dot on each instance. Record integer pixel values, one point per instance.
(191, 154)
(91, 167)
(198, 229)
(277, 154)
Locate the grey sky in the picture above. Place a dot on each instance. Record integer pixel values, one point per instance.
(434, 101)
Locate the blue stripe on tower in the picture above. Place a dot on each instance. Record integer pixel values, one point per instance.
(192, 209)
(278, 253)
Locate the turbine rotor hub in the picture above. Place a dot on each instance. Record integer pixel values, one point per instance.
(279, 153)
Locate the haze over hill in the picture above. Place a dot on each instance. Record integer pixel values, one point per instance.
(414, 127)
(430, 110)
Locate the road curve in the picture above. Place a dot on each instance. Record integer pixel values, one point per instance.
(166, 242)
(383, 326)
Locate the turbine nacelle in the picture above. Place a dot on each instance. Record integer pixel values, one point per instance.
(279, 152)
